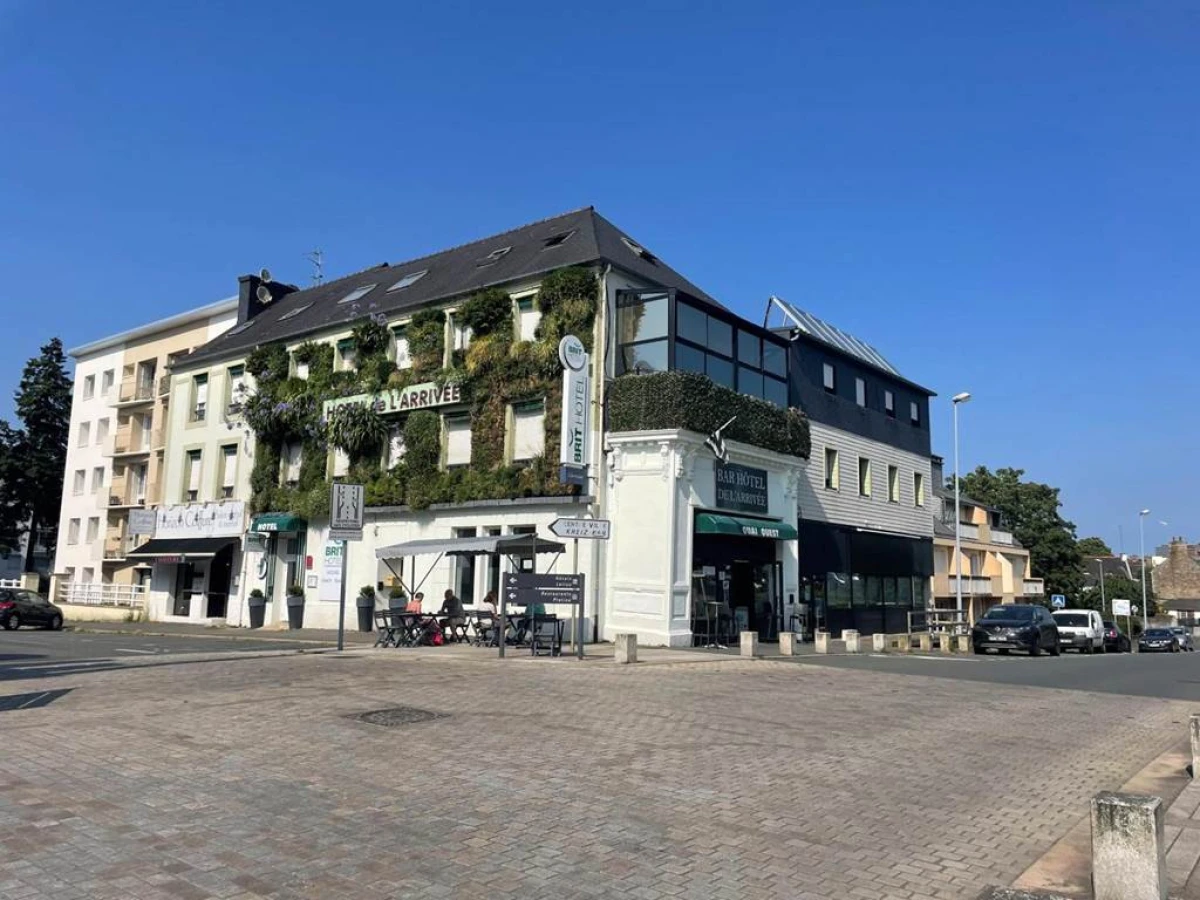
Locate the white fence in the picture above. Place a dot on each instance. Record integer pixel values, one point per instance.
(10, 583)
(98, 594)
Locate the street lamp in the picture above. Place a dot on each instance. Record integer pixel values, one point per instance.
(956, 401)
(1142, 549)
(1100, 565)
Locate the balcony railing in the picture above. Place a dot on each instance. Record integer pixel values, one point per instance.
(127, 441)
(1034, 587)
(98, 594)
(1002, 537)
(972, 585)
(135, 391)
(118, 546)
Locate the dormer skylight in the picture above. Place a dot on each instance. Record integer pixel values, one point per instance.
(357, 294)
(409, 279)
(493, 257)
(292, 313)
(557, 240)
(639, 250)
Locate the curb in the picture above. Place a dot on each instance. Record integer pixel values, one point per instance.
(271, 636)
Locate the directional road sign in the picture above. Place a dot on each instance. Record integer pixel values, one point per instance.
(523, 588)
(588, 529)
(345, 512)
(1058, 601)
(1121, 607)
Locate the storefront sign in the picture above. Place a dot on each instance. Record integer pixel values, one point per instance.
(576, 403)
(416, 396)
(330, 590)
(741, 488)
(199, 520)
(143, 522)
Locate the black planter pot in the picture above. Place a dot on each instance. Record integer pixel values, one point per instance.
(258, 611)
(295, 608)
(366, 613)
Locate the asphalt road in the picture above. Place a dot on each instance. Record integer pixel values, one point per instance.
(1170, 676)
(40, 654)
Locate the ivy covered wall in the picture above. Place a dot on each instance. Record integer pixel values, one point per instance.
(495, 370)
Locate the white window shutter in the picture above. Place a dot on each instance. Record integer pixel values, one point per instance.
(396, 447)
(529, 431)
(458, 441)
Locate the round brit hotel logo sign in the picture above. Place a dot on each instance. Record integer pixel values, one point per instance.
(571, 353)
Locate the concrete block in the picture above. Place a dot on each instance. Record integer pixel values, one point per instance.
(625, 649)
(749, 642)
(821, 642)
(900, 643)
(1194, 729)
(30, 581)
(1129, 860)
(789, 643)
(853, 641)
(879, 643)
(946, 642)
(962, 643)
(925, 642)
(848, 631)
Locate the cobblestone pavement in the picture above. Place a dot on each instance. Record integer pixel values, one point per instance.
(249, 778)
(1182, 834)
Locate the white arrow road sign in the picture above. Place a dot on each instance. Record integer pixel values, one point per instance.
(588, 529)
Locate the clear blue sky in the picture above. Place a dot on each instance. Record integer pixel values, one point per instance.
(1001, 197)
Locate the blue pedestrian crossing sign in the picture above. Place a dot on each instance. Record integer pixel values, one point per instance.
(1058, 601)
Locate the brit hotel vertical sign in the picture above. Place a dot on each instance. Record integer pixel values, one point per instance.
(573, 455)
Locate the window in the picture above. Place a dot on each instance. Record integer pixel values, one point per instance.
(199, 398)
(395, 447)
(409, 279)
(889, 404)
(749, 349)
(830, 377)
(864, 477)
(464, 570)
(356, 294)
(832, 475)
(80, 482)
(89, 575)
(73, 531)
(750, 382)
(341, 463)
(235, 388)
(557, 240)
(642, 331)
(101, 430)
(528, 317)
(893, 484)
(106, 382)
(775, 359)
(292, 457)
(914, 413)
(89, 387)
(528, 430)
(403, 356)
(918, 489)
(347, 354)
(93, 529)
(301, 369)
(228, 469)
(640, 250)
(460, 334)
(85, 433)
(292, 313)
(494, 257)
(191, 476)
(458, 440)
(860, 392)
(97, 479)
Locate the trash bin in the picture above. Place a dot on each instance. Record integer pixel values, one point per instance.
(366, 612)
(295, 608)
(258, 610)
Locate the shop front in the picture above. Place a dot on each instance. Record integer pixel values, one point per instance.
(194, 560)
(276, 547)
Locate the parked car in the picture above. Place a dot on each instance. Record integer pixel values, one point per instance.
(1158, 640)
(1008, 627)
(1115, 640)
(20, 607)
(1080, 629)
(1185, 638)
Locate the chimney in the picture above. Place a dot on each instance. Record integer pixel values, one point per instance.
(936, 473)
(249, 305)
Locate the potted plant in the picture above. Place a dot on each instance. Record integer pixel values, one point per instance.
(366, 607)
(258, 608)
(295, 606)
(396, 598)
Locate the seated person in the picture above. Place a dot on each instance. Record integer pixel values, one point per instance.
(414, 605)
(452, 613)
(489, 604)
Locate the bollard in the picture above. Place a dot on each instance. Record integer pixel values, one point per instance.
(625, 649)
(821, 642)
(962, 643)
(946, 642)
(788, 641)
(853, 641)
(749, 641)
(1128, 852)
(1195, 731)
(879, 643)
(925, 642)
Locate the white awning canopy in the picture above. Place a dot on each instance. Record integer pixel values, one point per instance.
(510, 545)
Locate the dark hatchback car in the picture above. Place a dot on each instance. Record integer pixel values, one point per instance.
(19, 607)
(1115, 640)
(1016, 627)
(1158, 640)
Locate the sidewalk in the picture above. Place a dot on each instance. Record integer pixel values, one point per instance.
(178, 629)
(1182, 834)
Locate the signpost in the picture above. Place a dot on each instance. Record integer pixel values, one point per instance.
(577, 400)
(345, 524)
(1121, 608)
(1058, 601)
(527, 588)
(588, 529)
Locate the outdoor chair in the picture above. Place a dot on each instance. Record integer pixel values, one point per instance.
(483, 627)
(388, 631)
(545, 636)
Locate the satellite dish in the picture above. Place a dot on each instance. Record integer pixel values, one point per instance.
(263, 294)
(264, 275)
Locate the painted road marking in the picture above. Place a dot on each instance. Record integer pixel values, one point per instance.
(131, 650)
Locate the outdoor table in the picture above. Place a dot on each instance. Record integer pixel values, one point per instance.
(388, 629)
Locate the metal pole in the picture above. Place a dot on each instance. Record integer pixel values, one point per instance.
(342, 599)
(1100, 563)
(957, 526)
(1142, 548)
(577, 630)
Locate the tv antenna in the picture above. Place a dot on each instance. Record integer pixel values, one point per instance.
(317, 258)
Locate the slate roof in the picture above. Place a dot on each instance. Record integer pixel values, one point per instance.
(452, 273)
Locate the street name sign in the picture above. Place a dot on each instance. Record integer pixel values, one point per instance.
(345, 512)
(587, 529)
(1121, 608)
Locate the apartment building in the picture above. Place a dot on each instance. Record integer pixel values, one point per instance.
(994, 566)
(116, 449)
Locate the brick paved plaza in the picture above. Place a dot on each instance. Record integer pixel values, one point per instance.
(724, 779)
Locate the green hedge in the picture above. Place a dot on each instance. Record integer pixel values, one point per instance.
(693, 402)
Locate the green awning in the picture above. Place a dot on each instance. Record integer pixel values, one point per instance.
(714, 523)
(270, 523)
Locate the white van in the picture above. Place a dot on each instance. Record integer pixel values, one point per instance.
(1080, 629)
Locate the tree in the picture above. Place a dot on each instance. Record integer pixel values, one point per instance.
(1093, 547)
(1121, 588)
(34, 456)
(1031, 510)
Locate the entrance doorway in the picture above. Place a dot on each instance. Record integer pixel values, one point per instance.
(737, 586)
(220, 573)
